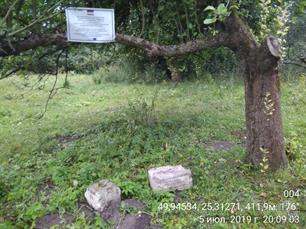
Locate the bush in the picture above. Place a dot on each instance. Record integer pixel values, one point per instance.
(125, 71)
(140, 112)
(117, 73)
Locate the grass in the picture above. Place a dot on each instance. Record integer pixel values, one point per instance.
(119, 131)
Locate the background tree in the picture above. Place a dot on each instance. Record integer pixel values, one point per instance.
(294, 51)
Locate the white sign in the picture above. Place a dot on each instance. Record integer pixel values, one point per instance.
(90, 25)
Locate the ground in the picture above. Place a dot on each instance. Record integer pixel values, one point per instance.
(118, 131)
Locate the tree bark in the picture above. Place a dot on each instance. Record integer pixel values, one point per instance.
(153, 49)
(9, 48)
(265, 142)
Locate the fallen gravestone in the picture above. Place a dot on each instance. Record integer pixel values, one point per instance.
(170, 178)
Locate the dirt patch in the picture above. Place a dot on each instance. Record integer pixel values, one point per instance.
(134, 203)
(88, 211)
(220, 145)
(64, 139)
(47, 187)
(139, 221)
(50, 220)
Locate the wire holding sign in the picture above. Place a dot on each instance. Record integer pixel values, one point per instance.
(90, 25)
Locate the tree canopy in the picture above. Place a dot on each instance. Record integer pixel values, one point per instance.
(27, 25)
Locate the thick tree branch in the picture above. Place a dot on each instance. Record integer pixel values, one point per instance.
(8, 48)
(236, 36)
(152, 49)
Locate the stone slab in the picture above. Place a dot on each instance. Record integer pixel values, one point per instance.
(170, 178)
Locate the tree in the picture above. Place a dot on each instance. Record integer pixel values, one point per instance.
(259, 61)
(296, 40)
(262, 96)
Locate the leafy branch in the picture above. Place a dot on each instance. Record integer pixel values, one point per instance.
(216, 14)
(38, 20)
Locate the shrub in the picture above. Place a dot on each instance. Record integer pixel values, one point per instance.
(125, 71)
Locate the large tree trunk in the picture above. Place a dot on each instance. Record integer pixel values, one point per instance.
(265, 142)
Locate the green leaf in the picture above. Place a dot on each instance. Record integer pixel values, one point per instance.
(234, 7)
(221, 10)
(208, 21)
(209, 8)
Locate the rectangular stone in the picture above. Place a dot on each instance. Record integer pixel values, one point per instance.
(170, 178)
